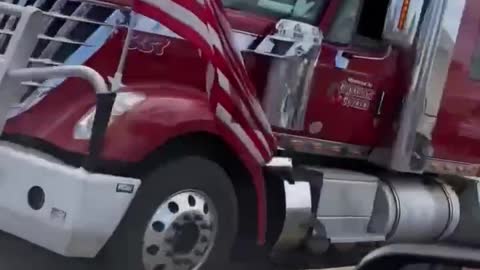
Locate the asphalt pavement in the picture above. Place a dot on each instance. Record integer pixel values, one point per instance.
(16, 254)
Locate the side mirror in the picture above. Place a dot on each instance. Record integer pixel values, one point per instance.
(290, 38)
(402, 22)
(421, 257)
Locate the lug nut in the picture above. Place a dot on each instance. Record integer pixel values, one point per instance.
(158, 226)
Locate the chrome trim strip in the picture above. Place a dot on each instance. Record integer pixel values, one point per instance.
(450, 167)
(435, 83)
(65, 40)
(57, 15)
(380, 58)
(54, 39)
(322, 147)
(82, 72)
(46, 62)
(434, 48)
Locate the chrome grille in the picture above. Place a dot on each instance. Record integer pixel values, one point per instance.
(68, 28)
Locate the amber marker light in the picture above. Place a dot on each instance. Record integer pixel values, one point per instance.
(404, 15)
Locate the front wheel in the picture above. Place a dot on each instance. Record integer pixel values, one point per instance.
(183, 217)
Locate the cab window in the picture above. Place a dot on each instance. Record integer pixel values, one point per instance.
(308, 11)
(359, 23)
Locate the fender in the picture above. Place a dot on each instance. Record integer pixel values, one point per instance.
(169, 111)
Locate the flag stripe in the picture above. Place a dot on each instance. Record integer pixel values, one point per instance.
(246, 98)
(183, 13)
(236, 58)
(230, 105)
(179, 27)
(244, 113)
(226, 118)
(184, 7)
(229, 89)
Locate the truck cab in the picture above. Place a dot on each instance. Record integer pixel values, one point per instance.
(110, 147)
(354, 88)
(349, 105)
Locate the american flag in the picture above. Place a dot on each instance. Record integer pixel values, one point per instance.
(230, 91)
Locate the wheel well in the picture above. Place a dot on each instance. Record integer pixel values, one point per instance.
(214, 148)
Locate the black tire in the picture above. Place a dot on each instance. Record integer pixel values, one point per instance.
(124, 250)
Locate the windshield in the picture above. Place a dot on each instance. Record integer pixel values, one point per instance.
(302, 10)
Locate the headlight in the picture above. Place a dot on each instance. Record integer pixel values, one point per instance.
(124, 102)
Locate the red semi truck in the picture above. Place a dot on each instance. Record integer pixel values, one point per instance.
(373, 104)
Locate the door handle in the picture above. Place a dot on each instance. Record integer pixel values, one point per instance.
(385, 55)
(347, 55)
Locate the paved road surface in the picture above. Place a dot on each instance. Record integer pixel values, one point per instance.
(20, 255)
(16, 254)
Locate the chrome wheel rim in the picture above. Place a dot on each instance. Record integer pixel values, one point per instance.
(181, 232)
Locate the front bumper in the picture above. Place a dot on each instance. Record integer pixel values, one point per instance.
(80, 210)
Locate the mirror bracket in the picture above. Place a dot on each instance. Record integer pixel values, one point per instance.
(290, 39)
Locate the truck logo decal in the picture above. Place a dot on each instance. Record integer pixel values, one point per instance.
(353, 93)
(149, 44)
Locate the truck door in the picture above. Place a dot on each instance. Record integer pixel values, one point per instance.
(354, 98)
(353, 87)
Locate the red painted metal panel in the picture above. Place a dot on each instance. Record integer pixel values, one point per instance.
(331, 102)
(457, 134)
